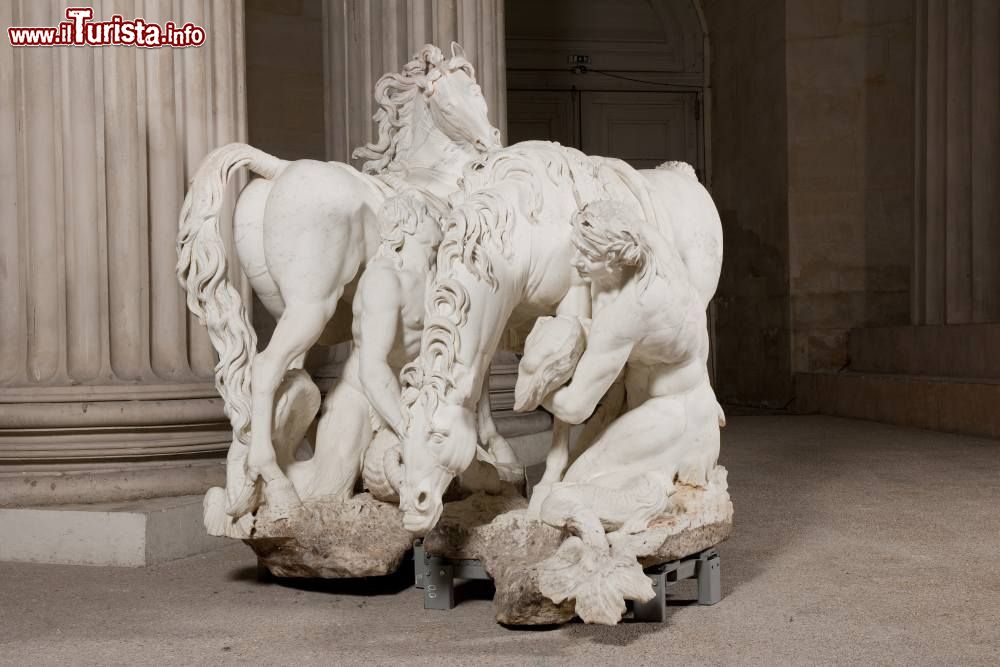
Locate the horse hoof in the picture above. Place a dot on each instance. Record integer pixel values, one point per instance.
(282, 499)
(246, 500)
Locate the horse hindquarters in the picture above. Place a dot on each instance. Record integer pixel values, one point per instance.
(248, 232)
(314, 244)
(687, 214)
(315, 229)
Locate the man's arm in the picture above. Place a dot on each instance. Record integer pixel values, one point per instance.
(577, 302)
(378, 292)
(607, 352)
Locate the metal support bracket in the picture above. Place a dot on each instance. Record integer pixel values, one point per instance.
(703, 566)
(439, 579)
(437, 575)
(419, 564)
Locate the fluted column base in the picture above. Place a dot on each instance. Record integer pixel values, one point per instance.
(118, 443)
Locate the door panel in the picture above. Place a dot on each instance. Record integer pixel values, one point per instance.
(548, 115)
(643, 129)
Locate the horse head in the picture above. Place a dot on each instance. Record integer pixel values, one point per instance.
(434, 89)
(439, 445)
(456, 101)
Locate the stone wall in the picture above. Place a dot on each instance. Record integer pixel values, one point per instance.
(750, 187)
(812, 145)
(850, 171)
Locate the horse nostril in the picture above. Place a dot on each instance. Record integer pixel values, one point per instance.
(422, 499)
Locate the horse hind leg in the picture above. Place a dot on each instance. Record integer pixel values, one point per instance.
(299, 327)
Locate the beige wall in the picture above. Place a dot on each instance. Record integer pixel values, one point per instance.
(813, 135)
(850, 68)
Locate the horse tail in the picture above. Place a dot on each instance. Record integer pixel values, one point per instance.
(203, 272)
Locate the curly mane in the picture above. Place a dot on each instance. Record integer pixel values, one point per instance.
(395, 94)
(483, 217)
(430, 376)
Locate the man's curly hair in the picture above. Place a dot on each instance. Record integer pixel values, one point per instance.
(401, 215)
(609, 231)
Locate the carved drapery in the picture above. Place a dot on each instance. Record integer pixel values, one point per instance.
(106, 381)
(956, 277)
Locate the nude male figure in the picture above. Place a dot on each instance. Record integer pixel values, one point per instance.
(647, 320)
(388, 324)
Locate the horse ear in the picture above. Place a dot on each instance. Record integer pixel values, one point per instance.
(457, 51)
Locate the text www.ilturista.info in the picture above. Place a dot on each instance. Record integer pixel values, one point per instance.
(79, 30)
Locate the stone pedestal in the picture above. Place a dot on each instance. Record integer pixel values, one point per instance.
(106, 382)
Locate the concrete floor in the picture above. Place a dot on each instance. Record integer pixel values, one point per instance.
(856, 543)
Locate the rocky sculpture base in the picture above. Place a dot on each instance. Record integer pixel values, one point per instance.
(359, 537)
(543, 575)
(521, 554)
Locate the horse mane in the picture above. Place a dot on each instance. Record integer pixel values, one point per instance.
(428, 378)
(480, 224)
(483, 216)
(495, 189)
(395, 94)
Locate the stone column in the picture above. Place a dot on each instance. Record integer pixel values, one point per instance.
(956, 277)
(106, 389)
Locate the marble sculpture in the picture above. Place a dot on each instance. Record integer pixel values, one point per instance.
(425, 258)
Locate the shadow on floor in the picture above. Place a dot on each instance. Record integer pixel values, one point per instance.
(392, 584)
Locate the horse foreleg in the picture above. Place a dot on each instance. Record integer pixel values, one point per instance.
(343, 434)
(555, 466)
(494, 443)
(298, 329)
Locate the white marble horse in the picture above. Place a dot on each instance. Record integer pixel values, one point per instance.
(304, 233)
(506, 258)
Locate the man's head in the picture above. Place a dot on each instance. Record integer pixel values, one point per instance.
(607, 239)
(410, 214)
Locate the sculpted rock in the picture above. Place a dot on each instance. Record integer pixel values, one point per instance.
(360, 537)
(542, 579)
(495, 531)
(597, 579)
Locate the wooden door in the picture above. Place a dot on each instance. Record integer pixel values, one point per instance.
(549, 115)
(642, 128)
